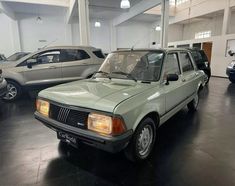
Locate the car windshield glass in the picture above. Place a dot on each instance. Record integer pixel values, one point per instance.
(135, 65)
(16, 56)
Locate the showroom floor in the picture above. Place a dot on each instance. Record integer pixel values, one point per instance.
(192, 149)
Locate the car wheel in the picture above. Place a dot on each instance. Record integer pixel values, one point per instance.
(192, 106)
(232, 80)
(142, 141)
(13, 91)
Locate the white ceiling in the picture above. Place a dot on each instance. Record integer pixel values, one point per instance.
(99, 9)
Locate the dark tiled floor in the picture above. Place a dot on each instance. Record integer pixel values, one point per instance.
(192, 149)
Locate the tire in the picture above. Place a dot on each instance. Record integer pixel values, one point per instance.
(14, 91)
(192, 106)
(142, 142)
(232, 80)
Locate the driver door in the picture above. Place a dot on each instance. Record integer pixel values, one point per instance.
(173, 91)
(45, 70)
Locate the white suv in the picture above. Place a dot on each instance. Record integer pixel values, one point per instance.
(50, 66)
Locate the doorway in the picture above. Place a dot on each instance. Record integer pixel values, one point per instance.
(207, 47)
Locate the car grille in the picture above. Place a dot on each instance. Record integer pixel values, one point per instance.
(68, 116)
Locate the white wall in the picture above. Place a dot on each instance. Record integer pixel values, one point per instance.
(175, 32)
(99, 37)
(35, 35)
(214, 24)
(6, 36)
(232, 25)
(134, 33)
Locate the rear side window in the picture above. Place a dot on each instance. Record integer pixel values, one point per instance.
(99, 54)
(73, 55)
(186, 62)
(172, 64)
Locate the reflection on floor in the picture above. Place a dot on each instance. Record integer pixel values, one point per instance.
(191, 149)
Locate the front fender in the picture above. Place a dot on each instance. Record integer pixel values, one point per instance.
(15, 76)
(137, 107)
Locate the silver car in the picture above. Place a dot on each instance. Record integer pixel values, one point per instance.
(122, 106)
(3, 85)
(50, 66)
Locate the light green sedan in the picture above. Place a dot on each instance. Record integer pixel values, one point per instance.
(124, 103)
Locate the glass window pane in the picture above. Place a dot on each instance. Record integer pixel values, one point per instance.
(186, 62)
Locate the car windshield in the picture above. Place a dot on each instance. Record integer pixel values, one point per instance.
(16, 56)
(136, 65)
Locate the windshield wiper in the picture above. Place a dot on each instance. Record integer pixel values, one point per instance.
(102, 72)
(125, 74)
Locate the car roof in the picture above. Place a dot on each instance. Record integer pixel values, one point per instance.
(70, 47)
(151, 49)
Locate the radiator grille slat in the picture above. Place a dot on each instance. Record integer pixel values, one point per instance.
(69, 116)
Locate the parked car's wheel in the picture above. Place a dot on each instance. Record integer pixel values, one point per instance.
(192, 106)
(14, 91)
(142, 141)
(231, 79)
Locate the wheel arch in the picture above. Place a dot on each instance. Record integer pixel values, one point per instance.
(153, 115)
(15, 81)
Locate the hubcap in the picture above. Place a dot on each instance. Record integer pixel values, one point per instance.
(195, 102)
(11, 92)
(145, 140)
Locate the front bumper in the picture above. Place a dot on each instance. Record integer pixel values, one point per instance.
(230, 72)
(3, 88)
(106, 143)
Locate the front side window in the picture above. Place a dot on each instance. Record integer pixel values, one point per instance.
(73, 55)
(171, 64)
(140, 65)
(186, 62)
(48, 57)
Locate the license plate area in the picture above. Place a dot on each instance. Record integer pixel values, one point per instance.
(68, 138)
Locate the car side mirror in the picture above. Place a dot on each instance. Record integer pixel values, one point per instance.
(171, 77)
(30, 62)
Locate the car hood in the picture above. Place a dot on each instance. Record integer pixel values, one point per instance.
(8, 64)
(103, 95)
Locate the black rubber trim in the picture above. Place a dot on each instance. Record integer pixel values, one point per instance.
(107, 143)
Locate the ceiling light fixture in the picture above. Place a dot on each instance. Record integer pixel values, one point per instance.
(158, 28)
(97, 24)
(125, 4)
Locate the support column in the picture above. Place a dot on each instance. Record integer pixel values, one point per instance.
(164, 23)
(113, 37)
(16, 36)
(227, 18)
(84, 23)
